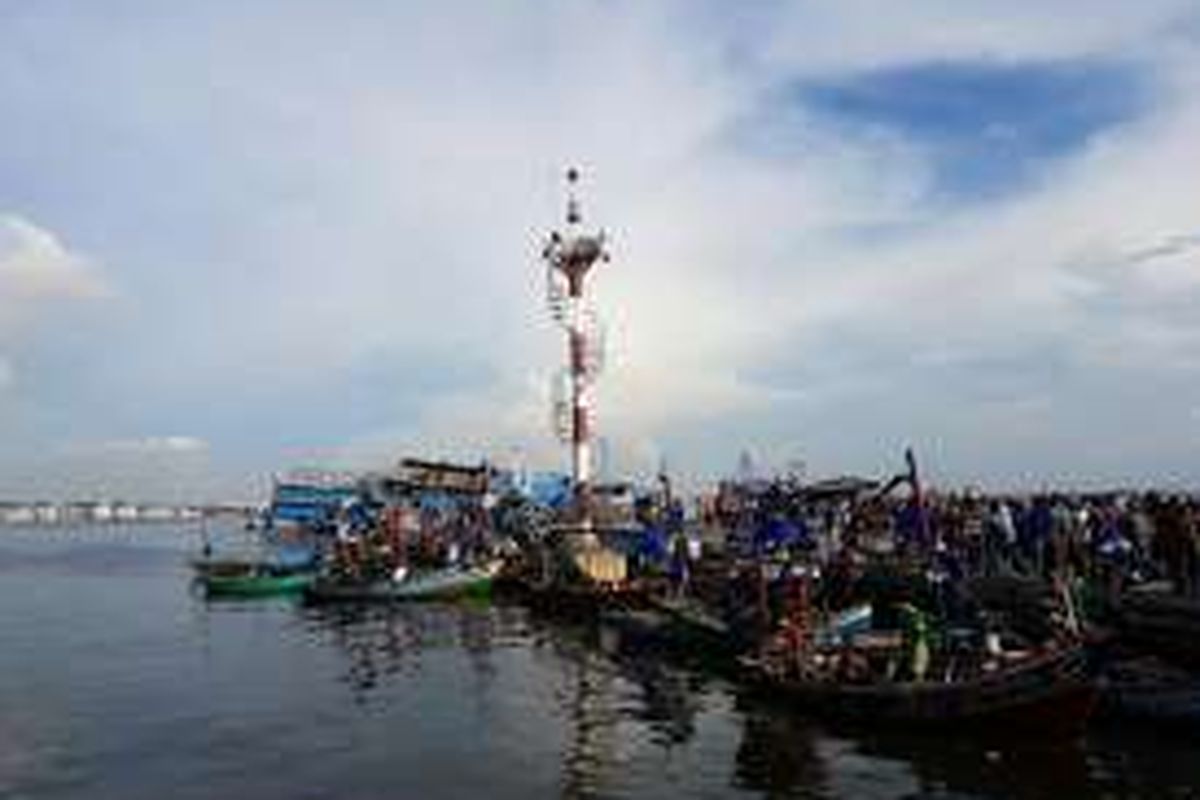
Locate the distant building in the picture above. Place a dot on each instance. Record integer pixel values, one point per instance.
(47, 513)
(17, 514)
(158, 514)
(74, 513)
(125, 512)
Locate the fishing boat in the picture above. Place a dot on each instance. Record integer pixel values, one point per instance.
(1044, 691)
(278, 570)
(234, 579)
(441, 584)
(693, 625)
(570, 572)
(673, 629)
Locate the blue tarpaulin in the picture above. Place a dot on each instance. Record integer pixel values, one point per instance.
(312, 505)
(548, 489)
(652, 545)
(779, 532)
(294, 556)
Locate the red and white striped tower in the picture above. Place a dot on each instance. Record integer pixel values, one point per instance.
(570, 256)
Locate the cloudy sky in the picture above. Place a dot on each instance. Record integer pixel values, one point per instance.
(241, 236)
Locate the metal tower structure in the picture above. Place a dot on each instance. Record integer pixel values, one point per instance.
(570, 255)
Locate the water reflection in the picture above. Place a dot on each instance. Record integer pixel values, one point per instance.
(383, 642)
(115, 681)
(1142, 761)
(984, 766)
(783, 755)
(777, 754)
(626, 710)
(667, 692)
(621, 720)
(590, 748)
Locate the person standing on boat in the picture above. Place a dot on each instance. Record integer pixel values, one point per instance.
(797, 621)
(946, 575)
(695, 546)
(1039, 531)
(1113, 552)
(679, 569)
(1173, 543)
(343, 527)
(973, 531)
(1191, 524)
(1003, 535)
(907, 523)
(1060, 536)
(915, 641)
(1145, 516)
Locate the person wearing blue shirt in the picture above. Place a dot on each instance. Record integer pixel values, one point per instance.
(778, 533)
(1037, 529)
(908, 521)
(651, 549)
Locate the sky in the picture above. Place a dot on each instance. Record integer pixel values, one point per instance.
(241, 237)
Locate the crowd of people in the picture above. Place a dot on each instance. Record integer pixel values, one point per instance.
(409, 535)
(914, 563)
(1107, 540)
(1110, 538)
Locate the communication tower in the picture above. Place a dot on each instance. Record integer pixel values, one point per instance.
(570, 255)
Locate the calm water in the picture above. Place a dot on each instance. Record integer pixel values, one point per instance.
(117, 680)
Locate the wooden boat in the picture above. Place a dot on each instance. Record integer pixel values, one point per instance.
(1048, 691)
(255, 583)
(675, 628)
(692, 615)
(693, 625)
(576, 581)
(449, 583)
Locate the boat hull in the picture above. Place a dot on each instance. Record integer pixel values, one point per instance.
(256, 585)
(443, 585)
(1051, 694)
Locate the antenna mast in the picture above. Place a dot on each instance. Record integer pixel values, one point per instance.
(570, 255)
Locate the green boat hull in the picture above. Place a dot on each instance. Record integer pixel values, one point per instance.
(451, 584)
(256, 585)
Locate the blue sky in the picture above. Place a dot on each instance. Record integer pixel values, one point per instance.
(235, 238)
(988, 128)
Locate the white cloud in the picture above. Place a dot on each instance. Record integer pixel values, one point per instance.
(151, 445)
(721, 260)
(36, 265)
(36, 271)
